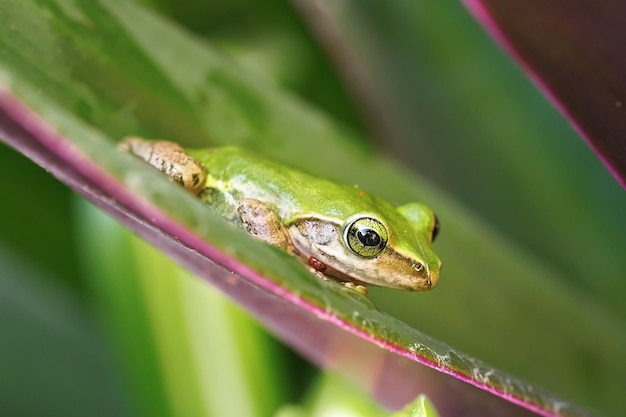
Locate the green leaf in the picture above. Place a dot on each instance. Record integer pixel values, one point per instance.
(99, 70)
(52, 357)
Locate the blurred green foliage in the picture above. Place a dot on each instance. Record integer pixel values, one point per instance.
(187, 350)
(54, 362)
(468, 120)
(47, 212)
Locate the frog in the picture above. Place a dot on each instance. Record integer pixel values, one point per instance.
(341, 232)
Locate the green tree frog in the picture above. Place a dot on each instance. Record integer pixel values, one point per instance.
(340, 231)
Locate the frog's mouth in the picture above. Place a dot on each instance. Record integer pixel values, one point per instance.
(320, 246)
(326, 264)
(329, 271)
(422, 281)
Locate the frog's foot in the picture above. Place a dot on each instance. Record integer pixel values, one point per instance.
(261, 221)
(356, 287)
(318, 268)
(169, 158)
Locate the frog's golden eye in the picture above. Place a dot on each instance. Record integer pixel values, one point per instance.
(366, 237)
(435, 231)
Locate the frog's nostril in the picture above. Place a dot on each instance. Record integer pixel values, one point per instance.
(433, 278)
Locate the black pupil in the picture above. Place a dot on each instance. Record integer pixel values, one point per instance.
(368, 237)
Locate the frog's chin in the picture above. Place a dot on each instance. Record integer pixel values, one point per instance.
(318, 245)
(341, 276)
(396, 282)
(325, 264)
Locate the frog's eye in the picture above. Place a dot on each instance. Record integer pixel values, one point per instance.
(366, 237)
(435, 231)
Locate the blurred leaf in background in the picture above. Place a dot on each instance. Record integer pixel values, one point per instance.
(466, 117)
(188, 351)
(45, 213)
(53, 361)
(270, 40)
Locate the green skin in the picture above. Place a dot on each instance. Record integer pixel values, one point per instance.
(341, 231)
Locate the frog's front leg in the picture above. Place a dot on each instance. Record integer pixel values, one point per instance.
(171, 159)
(318, 268)
(261, 221)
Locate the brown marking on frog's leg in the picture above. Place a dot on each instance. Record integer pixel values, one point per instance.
(261, 221)
(169, 158)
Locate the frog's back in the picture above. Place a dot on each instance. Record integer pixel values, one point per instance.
(236, 173)
(234, 165)
(235, 168)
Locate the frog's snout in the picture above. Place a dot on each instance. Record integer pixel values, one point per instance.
(432, 276)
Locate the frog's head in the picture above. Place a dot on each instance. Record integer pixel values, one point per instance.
(390, 251)
(418, 243)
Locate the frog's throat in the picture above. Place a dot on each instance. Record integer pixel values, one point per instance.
(416, 281)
